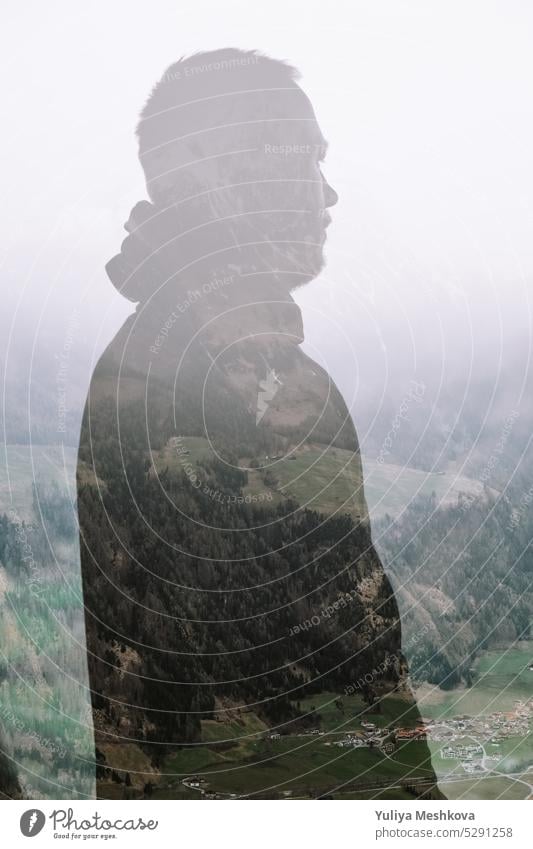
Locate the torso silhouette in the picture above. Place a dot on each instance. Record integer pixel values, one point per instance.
(227, 561)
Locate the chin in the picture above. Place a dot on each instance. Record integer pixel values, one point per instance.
(314, 263)
(317, 260)
(302, 257)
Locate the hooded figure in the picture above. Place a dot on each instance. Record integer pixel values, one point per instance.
(234, 601)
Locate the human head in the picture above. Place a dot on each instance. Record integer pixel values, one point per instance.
(229, 136)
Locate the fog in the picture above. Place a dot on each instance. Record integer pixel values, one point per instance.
(428, 112)
(422, 315)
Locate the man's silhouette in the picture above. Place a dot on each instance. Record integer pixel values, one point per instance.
(231, 588)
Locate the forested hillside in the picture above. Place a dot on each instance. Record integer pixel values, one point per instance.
(463, 579)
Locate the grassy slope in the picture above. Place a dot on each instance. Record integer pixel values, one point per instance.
(329, 480)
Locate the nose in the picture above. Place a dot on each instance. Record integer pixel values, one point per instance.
(330, 195)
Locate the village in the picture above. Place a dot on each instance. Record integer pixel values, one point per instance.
(486, 731)
(470, 741)
(483, 730)
(492, 728)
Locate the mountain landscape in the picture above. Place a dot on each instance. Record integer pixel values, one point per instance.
(455, 549)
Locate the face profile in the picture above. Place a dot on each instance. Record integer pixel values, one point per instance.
(230, 580)
(237, 170)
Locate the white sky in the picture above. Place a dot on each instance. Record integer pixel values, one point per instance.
(428, 108)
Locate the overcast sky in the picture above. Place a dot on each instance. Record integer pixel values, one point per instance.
(428, 109)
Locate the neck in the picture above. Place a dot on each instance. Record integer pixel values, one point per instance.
(205, 281)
